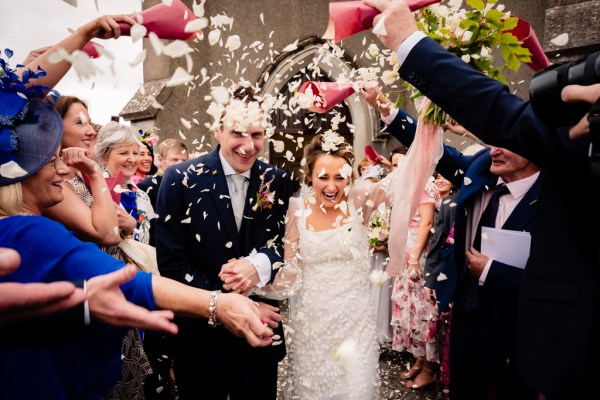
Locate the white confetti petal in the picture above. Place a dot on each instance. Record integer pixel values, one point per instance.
(140, 58)
(278, 146)
(186, 123)
(441, 277)
(137, 32)
(196, 25)
(189, 278)
(389, 77)
(180, 77)
(346, 171)
(290, 47)
(198, 9)
(157, 45)
(187, 220)
(228, 244)
(379, 29)
(214, 36)
(177, 48)
(378, 278)
(346, 353)
(220, 94)
(560, 40)
(233, 43)
(12, 170)
(154, 103)
(467, 180)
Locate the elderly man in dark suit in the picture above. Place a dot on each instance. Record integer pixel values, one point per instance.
(559, 320)
(217, 232)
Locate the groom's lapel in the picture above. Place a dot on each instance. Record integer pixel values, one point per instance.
(216, 184)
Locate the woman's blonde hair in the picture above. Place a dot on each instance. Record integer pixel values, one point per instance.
(11, 199)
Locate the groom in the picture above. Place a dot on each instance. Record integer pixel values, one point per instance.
(212, 234)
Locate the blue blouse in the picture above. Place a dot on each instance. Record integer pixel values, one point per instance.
(83, 368)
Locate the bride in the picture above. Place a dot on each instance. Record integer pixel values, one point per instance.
(333, 352)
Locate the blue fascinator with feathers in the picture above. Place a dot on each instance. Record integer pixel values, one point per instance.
(30, 129)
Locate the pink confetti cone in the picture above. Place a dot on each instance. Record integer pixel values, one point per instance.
(372, 155)
(91, 49)
(111, 182)
(349, 17)
(166, 22)
(327, 94)
(527, 36)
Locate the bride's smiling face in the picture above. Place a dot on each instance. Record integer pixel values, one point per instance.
(329, 180)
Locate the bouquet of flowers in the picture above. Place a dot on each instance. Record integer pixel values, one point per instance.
(379, 229)
(471, 35)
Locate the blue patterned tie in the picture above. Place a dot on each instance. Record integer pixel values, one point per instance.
(470, 296)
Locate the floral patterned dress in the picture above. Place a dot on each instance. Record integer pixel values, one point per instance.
(414, 319)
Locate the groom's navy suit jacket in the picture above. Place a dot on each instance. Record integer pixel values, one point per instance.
(196, 234)
(558, 342)
(498, 296)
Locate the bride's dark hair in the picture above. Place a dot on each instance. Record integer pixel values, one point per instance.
(314, 150)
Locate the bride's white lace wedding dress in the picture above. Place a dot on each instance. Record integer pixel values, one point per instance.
(333, 349)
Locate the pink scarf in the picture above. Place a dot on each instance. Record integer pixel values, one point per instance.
(408, 184)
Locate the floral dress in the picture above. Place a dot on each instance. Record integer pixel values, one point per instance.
(414, 319)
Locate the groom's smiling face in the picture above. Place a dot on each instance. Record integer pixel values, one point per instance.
(241, 149)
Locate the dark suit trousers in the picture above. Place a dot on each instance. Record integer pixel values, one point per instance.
(478, 370)
(198, 378)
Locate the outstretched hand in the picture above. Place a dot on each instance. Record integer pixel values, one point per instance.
(243, 318)
(108, 304)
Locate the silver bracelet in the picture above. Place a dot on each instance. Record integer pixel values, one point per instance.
(212, 309)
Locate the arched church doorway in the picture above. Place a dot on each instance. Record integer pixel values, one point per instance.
(291, 67)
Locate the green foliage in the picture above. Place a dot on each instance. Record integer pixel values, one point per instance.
(472, 35)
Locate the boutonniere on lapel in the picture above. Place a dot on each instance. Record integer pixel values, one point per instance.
(264, 197)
